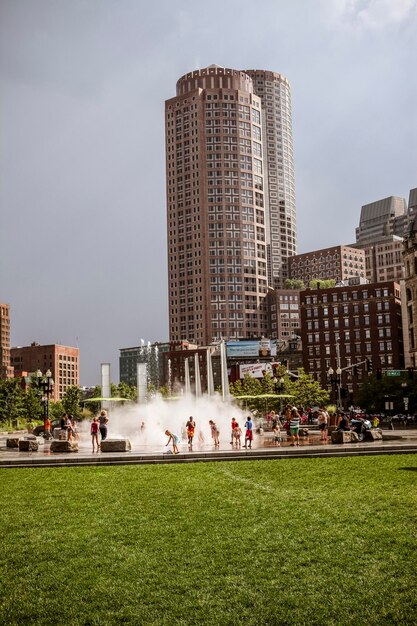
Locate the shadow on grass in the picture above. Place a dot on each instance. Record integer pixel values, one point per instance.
(409, 469)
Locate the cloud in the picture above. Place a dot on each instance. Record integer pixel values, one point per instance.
(370, 15)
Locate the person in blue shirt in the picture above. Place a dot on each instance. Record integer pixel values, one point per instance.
(248, 433)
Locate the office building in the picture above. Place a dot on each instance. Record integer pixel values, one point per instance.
(381, 219)
(62, 361)
(380, 233)
(340, 263)
(6, 370)
(219, 166)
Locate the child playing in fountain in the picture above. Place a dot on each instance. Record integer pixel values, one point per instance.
(175, 441)
(276, 429)
(94, 433)
(237, 432)
(215, 432)
(248, 432)
(190, 425)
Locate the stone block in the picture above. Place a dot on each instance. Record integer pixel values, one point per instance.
(12, 442)
(341, 436)
(28, 445)
(375, 434)
(59, 445)
(116, 445)
(354, 437)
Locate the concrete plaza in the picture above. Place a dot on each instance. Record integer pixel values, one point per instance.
(394, 442)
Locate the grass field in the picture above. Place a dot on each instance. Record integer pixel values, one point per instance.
(296, 541)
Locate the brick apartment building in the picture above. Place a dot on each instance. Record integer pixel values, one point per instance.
(6, 370)
(362, 322)
(339, 262)
(284, 320)
(63, 361)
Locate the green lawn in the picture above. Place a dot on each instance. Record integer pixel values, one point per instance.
(296, 541)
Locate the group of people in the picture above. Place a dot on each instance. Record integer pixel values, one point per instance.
(70, 426)
(235, 437)
(99, 426)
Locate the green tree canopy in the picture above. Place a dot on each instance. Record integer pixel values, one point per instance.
(71, 401)
(292, 283)
(321, 283)
(11, 400)
(307, 391)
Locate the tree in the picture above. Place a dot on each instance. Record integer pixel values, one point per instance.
(71, 401)
(126, 391)
(11, 399)
(307, 391)
(374, 393)
(320, 283)
(294, 283)
(56, 410)
(32, 403)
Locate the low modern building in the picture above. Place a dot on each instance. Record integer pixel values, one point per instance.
(339, 263)
(6, 370)
(350, 328)
(62, 361)
(151, 354)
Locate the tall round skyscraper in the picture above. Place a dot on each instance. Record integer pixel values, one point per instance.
(230, 201)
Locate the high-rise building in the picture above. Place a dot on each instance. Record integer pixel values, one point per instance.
(275, 94)
(62, 361)
(6, 370)
(219, 163)
(382, 226)
(382, 219)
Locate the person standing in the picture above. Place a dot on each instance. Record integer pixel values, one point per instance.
(248, 433)
(233, 426)
(215, 433)
(103, 425)
(94, 429)
(237, 433)
(47, 434)
(323, 424)
(190, 425)
(295, 427)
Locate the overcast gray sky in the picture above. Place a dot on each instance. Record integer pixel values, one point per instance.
(82, 164)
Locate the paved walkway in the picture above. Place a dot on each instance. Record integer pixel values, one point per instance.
(394, 442)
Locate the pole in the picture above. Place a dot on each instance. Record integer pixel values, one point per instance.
(339, 375)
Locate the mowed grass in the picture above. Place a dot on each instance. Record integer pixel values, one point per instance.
(297, 541)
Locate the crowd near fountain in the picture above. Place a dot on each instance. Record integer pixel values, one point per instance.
(145, 423)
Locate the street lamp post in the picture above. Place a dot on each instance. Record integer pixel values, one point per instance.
(46, 384)
(336, 381)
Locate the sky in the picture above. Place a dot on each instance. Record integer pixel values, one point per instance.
(82, 156)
